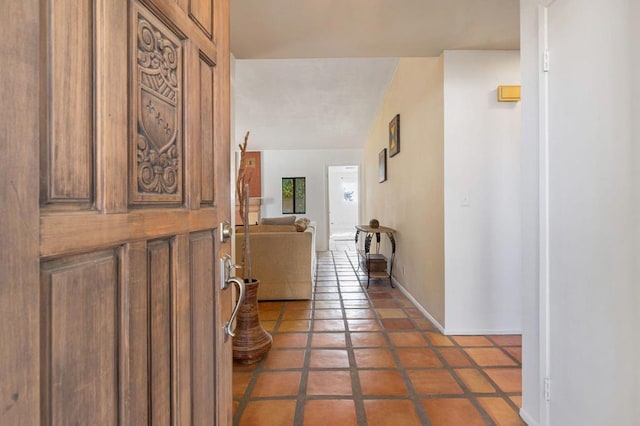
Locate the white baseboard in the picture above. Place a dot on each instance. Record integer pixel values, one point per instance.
(418, 305)
(446, 331)
(527, 418)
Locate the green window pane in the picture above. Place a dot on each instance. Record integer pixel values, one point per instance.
(294, 195)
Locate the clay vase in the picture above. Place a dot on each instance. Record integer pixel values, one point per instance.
(251, 341)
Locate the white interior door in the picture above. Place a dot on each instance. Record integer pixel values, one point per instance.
(343, 201)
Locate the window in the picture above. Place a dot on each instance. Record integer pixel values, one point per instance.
(293, 195)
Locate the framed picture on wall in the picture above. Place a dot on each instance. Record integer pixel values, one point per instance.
(382, 165)
(394, 136)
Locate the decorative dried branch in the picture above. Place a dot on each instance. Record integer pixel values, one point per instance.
(242, 191)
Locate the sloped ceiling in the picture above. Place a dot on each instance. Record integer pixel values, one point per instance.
(310, 74)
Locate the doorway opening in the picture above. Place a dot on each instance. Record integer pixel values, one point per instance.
(344, 206)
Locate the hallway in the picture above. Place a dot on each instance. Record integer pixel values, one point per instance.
(354, 356)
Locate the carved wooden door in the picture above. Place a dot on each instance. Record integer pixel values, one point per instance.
(114, 290)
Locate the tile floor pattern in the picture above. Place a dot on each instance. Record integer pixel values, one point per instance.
(353, 356)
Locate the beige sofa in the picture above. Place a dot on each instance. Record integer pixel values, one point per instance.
(282, 258)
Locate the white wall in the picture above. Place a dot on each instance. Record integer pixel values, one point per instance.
(481, 194)
(411, 199)
(311, 164)
(593, 213)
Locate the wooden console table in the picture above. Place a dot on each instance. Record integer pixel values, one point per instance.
(375, 264)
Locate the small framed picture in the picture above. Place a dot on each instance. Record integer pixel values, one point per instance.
(394, 136)
(382, 165)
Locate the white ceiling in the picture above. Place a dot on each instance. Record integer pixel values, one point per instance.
(292, 92)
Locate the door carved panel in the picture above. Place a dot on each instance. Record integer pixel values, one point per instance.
(157, 144)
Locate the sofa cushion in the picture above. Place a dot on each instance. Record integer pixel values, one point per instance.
(301, 224)
(282, 220)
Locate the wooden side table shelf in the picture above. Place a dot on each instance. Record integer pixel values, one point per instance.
(375, 264)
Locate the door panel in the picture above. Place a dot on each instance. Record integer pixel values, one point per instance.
(206, 130)
(134, 387)
(69, 113)
(79, 328)
(159, 258)
(157, 68)
(201, 11)
(127, 315)
(202, 247)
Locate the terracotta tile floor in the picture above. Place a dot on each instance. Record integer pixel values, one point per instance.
(354, 356)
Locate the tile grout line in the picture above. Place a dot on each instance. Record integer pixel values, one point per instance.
(356, 387)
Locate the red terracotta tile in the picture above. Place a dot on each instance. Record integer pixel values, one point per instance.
(334, 383)
(350, 288)
(359, 313)
(296, 325)
(382, 382)
(268, 413)
(327, 296)
(500, 411)
(268, 325)
(299, 304)
(397, 324)
(452, 412)
(474, 380)
(454, 357)
(407, 338)
(269, 315)
(469, 341)
(391, 413)
(516, 400)
(418, 357)
(385, 303)
(424, 324)
(330, 412)
(326, 289)
(437, 339)
(414, 313)
(434, 382)
(507, 379)
(507, 340)
(323, 304)
(374, 358)
(290, 340)
(391, 313)
(329, 358)
(489, 357)
(296, 314)
(328, 325)
(244, 367)
(353, 296)
(328, 314)
(269, 306)
(405, 302)
(280, 383)
(328, 340)
(363, 325)
(375, 295)
(284, 359)
(514, 351)
(240, 383)
(356, 304)
(367, 340)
